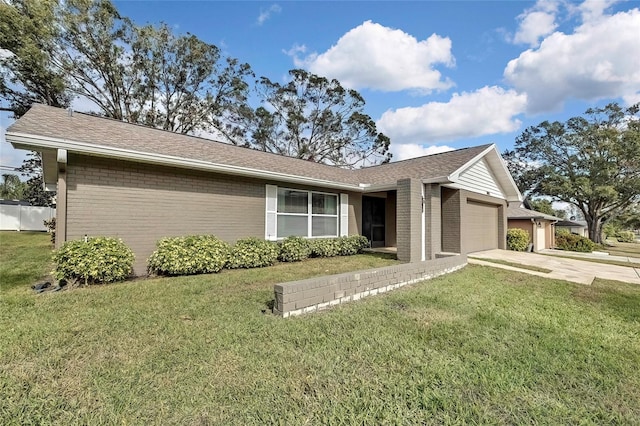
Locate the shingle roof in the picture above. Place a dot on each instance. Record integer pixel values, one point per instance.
(427, 167)
(521, 213)
(49, 122)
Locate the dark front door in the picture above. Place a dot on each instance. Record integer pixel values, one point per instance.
(373, 220)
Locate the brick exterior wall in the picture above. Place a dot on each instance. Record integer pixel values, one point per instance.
(408, 220)
(433, 217)
(451, 220)
(315, 294)
(142, 203)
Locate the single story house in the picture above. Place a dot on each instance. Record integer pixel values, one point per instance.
(539, 226)
(578, 227)
(142, 184)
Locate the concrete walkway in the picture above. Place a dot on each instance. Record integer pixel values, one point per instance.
(577, 271)
(597, 255)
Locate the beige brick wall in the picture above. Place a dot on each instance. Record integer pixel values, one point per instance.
(143, 203)
(315, 294)
(409, 220)
(451, 221)
(433, 218)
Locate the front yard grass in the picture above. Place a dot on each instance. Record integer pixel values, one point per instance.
(617, 248)
(481, 345)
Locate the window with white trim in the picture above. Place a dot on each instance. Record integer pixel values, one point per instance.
(295, 212)
(306, 214)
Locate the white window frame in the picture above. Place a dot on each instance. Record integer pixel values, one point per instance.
(272, 213)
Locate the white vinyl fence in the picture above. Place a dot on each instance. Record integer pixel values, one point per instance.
(24, 218)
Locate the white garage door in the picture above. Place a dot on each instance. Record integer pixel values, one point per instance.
(481, 230)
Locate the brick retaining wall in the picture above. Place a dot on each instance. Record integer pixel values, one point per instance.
(314, 294)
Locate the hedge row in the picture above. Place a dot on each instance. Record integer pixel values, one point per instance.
(104, 259)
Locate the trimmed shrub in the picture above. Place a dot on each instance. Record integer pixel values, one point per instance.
(98, 260)
(253, 253)
(352, 245)
(517, 239)
(573, 242)
(193, 254)
(626, 236)
(294, 249)
(325, 247)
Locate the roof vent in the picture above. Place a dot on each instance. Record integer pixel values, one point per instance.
(70, 111)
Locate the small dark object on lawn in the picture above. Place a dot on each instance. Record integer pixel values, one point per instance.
(41, 286)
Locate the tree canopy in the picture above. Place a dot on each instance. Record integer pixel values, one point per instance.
(591, 162)
(149, 75)
(546, 207)
(11, 188)
(314, 118)
(29, 36)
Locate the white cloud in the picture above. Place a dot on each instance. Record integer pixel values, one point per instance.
(486, 111)
(536, 22)
(265, 14)
(295, 50)
(411, 150)
(382, 58)
(600, 59)
(593, 10)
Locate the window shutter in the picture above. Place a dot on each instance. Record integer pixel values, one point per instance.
(344, 215)
(271, 216)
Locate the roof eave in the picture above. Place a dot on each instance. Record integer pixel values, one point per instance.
(28, 141)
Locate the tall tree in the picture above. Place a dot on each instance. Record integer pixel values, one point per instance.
(148, 75)
(542, 206)
(315, 119)
(11, 188)
(29, 34)
(590, 162)
(34, 191)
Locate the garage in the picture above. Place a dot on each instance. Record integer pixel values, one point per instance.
(480, 229)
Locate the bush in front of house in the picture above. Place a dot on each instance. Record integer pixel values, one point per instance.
(294, 249)
(94, 261)
(352, 245)
(253, 252)
(325, 247)
(189, 255)
(573, 242)
(517, 239)
(626, 236)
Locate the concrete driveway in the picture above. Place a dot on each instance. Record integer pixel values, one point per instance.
(577, 271)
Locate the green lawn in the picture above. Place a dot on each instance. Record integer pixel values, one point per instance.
(617, 248)
(482, 345)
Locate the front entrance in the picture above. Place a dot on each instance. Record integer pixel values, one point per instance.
(373, 220)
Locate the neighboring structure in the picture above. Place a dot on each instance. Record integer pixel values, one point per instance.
(18, 215)
(141, 184)
(540, 226)
(578, 227)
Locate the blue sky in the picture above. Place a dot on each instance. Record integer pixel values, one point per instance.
(436, 75)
